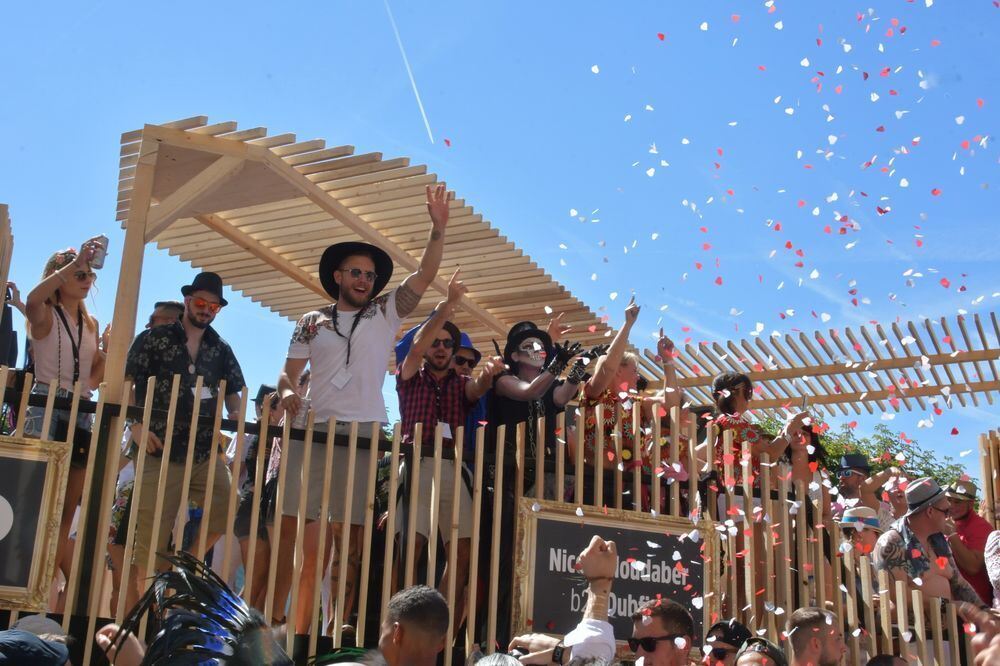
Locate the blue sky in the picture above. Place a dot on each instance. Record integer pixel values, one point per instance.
(555, 107)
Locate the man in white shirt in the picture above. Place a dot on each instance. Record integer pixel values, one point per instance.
(347, 346)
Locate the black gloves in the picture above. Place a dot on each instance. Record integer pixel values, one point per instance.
(561, 356)
(578, 373)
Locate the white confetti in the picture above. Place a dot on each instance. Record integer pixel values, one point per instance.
(548, 310)
(595, 69)
(579, 511)
(704, 26)
(959, 120)
(650, 171)
(804, 62)
(779, 26)
(903, 182)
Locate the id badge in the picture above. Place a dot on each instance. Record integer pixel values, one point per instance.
(446, 431)
(206, 393)
(341, 378)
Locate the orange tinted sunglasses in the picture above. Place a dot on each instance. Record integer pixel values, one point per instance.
(203, 304)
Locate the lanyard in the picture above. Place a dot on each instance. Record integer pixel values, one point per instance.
(74, 343)
(354, 325)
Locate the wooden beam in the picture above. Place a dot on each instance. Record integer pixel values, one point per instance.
(205, 182)
(953, 389)
(348, 218)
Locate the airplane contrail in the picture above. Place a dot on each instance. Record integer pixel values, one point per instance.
(409, 71)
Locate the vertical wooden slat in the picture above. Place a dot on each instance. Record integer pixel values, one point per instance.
(453, 543)
(986, 471)
(390, 525)
(491, 618)
(477, 497)
(619, 461)
(234, 487)
(23, 407)
(749, 547)
(713, 489)
(298, 553)
(920, 626)
(366, 554)
(819, 558)
(411, 525)
(694, 500)
(833, 530)
(806, 588)
(902, 618)
(581, 427)
(937, 630)
(955, 635)
(728, 481)
(675, 449)
(852, 636)
(769, 583)
(213, 457)
(656, 482)
(275, 536)
(785, 567)
(868, 593)
(637, 456)
(435, 508)
(599, 456)
(345, 533)
(561, 436)
(885, 609)
(255, 515)
(540, 444)
(50, 401)
(182, 513)
(324, 525)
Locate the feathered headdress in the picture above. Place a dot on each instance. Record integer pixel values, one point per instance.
(201, 620)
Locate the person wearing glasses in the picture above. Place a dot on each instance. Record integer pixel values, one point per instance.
(66, 351)
(722, 641)
(190, 348)
(967, 534)
(431, 393)
(346, 346)
(662, 633)
(758, 651)
(916, 549)
(857, 486)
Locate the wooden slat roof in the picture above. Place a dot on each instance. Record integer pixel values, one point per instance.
(259, 210)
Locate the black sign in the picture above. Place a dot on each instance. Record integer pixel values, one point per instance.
(22, 485)
(651, 563)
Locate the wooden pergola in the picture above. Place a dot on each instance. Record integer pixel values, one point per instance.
(259, 210)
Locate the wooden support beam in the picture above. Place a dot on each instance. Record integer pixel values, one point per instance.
(205, 182)
(348, 218)
(953, 389)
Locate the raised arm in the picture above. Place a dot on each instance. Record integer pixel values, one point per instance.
(607, 365)
(515, 388)
(38, 314)
(413, 287)
(477, 388)
(424, 338)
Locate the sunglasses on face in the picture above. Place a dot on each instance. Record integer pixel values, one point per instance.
(83, 276)
(720, 653)
(357, 273)
(946, 512)
(202, 304)
(648, 643)
(447, 344)
(845, 473)
(461, 360)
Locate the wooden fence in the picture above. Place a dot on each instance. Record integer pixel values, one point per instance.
(780, 550)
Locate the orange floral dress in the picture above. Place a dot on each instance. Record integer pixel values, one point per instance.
(745, 436)
(615, 408)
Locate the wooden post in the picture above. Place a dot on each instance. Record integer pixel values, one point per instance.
(656, 482)
(411, 526)
(766, 526)
(213, 457)
(345, 533)
(279, 505)
(920, 625)
(955, 636)
(324, 525)
(298, 553)
(435, 508)
(853, 644)
(477, 496)
(540, 444)
(937, 630)
(885, 609)
(255, 517)
(637, 457)
(366, 555)
(390, 525)
(182, 512)
(599, 456)
(581, 427)
(241, 452)
(560, 457)
(675, 450)
(867, 596)
(902, 618)
(491, 618)
(453, 543)
(986, 471)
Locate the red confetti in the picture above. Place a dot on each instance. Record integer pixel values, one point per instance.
(954, 431)
(945, 282)
(936, 191)
(718, 280)
(447, 142)
(660, 36)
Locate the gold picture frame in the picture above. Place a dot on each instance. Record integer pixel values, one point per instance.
(33, 595)
(530, 511)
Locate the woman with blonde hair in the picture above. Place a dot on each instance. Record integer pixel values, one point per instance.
(67, 352)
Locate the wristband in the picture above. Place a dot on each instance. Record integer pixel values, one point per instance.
(557, 653)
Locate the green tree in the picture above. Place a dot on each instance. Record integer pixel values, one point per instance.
(882, 448)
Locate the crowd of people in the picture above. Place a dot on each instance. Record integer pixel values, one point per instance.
(922, 534)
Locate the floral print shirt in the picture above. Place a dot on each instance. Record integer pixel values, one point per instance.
(163, 353)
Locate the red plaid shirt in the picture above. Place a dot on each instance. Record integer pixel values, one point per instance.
(424, 399)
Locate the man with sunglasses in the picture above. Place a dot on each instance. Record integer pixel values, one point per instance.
(857, 486)
(432, 393)
(967, 533)
(190, 348)
(722, 641)
(662, 633)
(915, 548)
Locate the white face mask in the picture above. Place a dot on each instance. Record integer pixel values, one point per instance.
(532, 352)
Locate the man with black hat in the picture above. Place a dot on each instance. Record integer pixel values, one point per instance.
(857, 486)
(915, 548)
(431, 393)
(723, 640)
(967, 533)
(347, 345)
(190, 348)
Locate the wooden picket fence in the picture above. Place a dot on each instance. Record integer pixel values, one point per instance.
(778, 551)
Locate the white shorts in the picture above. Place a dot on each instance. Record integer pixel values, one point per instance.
(444, 501)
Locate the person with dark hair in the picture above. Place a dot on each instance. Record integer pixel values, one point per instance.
(816, 637)
(165, 312)
(200, 621)
(967, 533)
(415, 627)
(432, 393)
(886, 660)
(190, 348)
(723, 640)
(915, 548)
(346, 345)
(857, 486)
(757, 651)
(67, 352)
(662, 633)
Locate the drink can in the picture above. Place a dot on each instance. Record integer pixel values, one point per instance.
(303, 414)
(100, 253)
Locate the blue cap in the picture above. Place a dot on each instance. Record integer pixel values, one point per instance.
(466, 343)
(26, 649)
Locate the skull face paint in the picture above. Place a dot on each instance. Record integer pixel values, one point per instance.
(531, 352)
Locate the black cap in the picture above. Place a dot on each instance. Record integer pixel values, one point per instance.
(264, 391)
(728, 631)
(206, 281)
(855, 461)
(26, 649)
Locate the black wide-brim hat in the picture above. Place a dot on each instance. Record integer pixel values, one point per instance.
(520, 332)
(206, 281)
(334, 255)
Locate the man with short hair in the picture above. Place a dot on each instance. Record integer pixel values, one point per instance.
(662, 633)
(915, 550)
(165, 312)
(431, 393)
(967, 533)
(816, 638)
(857, 486)
(415, 627)
(723, 640)
(346, 346)
(190, 348)
(759, 651)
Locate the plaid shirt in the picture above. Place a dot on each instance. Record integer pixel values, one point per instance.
(424, 399)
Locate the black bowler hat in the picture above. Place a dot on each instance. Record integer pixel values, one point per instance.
(855, 461)
(334, 255)
(207, 281)
(520, 332)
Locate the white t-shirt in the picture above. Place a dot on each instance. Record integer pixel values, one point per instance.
(338, 390)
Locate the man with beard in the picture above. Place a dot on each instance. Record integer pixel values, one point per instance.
(431, 392)
(857, 486)
(190, 348)
(347, 345)
(816, 637)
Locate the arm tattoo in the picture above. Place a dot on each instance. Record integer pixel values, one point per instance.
(889, 556)
(435, 235)
(961, 590)
(406, 300)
